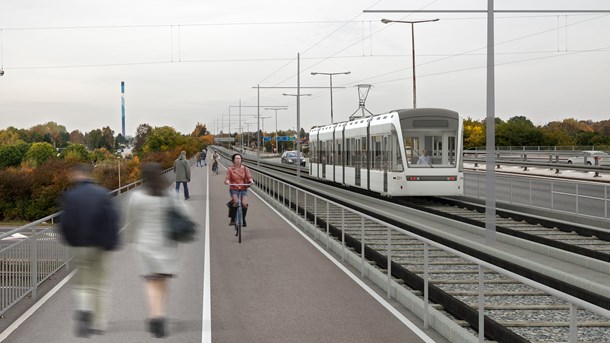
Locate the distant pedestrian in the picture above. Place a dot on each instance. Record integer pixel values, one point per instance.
(145, 225)
(183, 174)
(204, 154)
(198, 159)
(89, 224)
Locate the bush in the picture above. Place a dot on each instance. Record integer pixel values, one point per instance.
(10, 156)
(39, 153)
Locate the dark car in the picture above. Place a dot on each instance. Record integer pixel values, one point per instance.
(290, 157)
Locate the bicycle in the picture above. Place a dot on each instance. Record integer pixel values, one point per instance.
(215, 167)
(239, 219)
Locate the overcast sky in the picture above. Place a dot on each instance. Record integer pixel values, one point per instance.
(187, 61)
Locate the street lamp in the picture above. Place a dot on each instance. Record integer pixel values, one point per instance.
(331, 88)
(298, 96)
(276, 109)
(386, 21)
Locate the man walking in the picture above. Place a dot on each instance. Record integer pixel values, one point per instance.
(183, 174)
(198, 159)
(89, 224)
(204, 154)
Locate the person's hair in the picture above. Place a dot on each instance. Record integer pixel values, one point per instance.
(154, 182)
(235, 155)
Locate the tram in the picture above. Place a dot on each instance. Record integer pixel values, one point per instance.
(411, 152)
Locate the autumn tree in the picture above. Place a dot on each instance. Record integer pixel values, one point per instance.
(40, 153)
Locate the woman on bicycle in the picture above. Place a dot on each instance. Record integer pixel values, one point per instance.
(238, 174)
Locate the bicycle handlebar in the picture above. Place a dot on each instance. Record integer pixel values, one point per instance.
(240, 184)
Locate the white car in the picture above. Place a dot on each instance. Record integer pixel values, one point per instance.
(604, 159)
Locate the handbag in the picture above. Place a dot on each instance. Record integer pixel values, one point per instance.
(180, 227)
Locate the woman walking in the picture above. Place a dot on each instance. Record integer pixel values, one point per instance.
(157, 255)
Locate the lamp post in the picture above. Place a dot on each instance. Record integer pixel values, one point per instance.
(331, 88)
(386, 21)
(276, 109)
(298, 96)
(119, 159)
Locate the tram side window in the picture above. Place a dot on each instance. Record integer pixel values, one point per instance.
(314, 151)
(376, 153)
(395, 153)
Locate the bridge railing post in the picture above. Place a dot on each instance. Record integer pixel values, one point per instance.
(34, 261)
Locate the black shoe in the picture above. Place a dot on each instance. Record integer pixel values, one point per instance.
(96, 332)
(245, 224)
(156, 326)
(232, 222)
(236, 232)
(82, 323)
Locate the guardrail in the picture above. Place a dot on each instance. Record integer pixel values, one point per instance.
(279, 191)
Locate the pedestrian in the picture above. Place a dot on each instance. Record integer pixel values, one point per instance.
(89, 225)
(198, 159)
(145, 225)
(204, 154)
(183, 174)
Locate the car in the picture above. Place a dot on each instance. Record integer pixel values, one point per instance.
(290, 157)
(603, 158)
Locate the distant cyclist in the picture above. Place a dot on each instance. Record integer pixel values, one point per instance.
(238, 174)
(215, 158)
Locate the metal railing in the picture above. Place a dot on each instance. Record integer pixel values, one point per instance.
(283, 194)
(588, 199)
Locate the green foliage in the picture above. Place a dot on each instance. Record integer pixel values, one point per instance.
(75, 153)
(39, 153)
(10, 156)
(163, 138)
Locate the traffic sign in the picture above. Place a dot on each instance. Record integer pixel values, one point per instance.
(285, 138)
(267, 139)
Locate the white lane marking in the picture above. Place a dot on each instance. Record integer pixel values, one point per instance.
(34, 308)
(369, 290)
(206, 327)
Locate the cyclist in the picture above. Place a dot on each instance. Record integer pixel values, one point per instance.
(215, 158)
(238, 174)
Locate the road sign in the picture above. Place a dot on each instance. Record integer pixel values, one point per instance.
(285, 138)
(267, 139)
(224, 139)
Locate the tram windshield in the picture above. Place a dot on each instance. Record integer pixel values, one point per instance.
(430, 150)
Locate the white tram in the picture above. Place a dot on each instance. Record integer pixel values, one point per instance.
(409, 152)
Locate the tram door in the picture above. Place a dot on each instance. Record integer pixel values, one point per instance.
(384, 161)
(323, 157)
(357, 160)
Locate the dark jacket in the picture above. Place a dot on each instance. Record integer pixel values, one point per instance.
(89, 218)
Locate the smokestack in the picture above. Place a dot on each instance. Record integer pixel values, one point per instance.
(123, 106)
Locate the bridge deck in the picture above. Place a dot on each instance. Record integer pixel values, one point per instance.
(274, 287)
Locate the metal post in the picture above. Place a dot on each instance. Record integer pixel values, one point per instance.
(342, 234)
(389, 262)
(34, 262)
(258, 122)
(298, 115)
(362, 247)
(119, 159)
(413, 61)
(490, 192)
(241, 130)
(573, 324)
(481, 305)
(331, 99)
(327, 225)
(426, 278)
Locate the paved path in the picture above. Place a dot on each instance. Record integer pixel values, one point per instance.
(274, 287)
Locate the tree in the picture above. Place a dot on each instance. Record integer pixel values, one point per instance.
(163, 138)
(40, 153)
(107, 138)
(518, 131)
(10, 156)
(142, 133)
(8, 137)
(77, 137)
(200, 130)
(474, 134)
(75, 153)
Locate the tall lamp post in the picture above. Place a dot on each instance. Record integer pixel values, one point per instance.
(386, 21)
(331, 88)
(276, 109)
(298, 129)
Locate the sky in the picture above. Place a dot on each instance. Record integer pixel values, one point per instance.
(189, 61)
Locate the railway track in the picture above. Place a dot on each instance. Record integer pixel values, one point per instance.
(514, 312)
